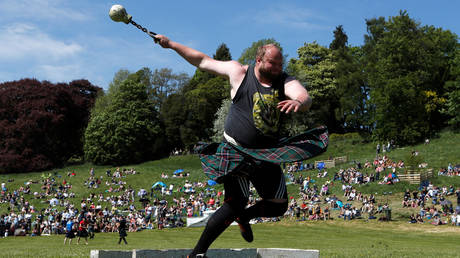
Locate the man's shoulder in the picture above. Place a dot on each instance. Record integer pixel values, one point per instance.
(237, 68)
(236, 75)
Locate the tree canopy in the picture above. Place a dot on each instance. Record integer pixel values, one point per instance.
(41, 123)
(407, 68)
(128, 130)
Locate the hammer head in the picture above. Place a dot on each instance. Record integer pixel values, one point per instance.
(118, 13)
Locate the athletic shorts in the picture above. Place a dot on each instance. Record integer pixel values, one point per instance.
(70, 234)
(83, 233)
(267, 178)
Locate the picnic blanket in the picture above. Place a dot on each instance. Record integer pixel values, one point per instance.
(220, 159)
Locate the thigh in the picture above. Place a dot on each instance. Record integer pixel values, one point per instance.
(236, 191)
(269, 181)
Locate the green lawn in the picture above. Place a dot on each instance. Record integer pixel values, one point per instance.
(332, 238)
(335, 238)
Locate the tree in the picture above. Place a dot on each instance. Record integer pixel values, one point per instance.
(223, 53)
(128, 130)
(340, 39)
(104, 100)
(164, 83)
(42, 124)
(353, 91)
(315, 68)
(219, 122)
(452, 107)
(173, 115)
(351, 110)
(201, 106)
(406, 64)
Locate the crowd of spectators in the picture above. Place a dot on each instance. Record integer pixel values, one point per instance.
(450, 170)
(435, 208)
(317, 203)
(101, 212)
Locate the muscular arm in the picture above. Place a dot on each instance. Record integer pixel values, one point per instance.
(299, 99)
(231, 70)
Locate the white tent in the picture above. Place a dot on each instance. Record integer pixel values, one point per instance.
(201, 221)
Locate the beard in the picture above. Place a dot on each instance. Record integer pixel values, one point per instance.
(268, 74)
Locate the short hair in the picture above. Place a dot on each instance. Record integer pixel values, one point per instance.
(263, 49)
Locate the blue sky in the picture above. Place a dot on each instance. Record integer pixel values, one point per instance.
(63, 40)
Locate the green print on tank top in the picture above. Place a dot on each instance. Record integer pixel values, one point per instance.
(265, 114)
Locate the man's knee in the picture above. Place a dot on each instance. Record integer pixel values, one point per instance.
(277, 206)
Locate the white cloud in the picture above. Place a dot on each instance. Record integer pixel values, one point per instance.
(291, 17)
(25, 41)
(58, 73)
(40, 9)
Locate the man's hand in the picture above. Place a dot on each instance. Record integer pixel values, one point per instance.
(289, 105)
(163, 41)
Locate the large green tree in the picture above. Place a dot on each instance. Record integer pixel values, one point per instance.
(128, 130)
(42, 124)
(406, 67)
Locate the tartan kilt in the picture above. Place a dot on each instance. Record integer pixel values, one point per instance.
(220, 159)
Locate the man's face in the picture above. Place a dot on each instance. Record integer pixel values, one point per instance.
(271, 65)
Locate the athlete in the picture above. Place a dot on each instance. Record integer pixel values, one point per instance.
(260, 94)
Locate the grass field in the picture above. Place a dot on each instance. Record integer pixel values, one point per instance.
(336, 238)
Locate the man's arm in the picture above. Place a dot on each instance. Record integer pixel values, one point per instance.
(231, 70)
(299, 99)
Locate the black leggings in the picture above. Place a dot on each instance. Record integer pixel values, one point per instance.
(269, 181)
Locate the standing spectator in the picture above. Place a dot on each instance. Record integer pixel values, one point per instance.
(457, 209)
(82, 230)
(70, 231)
(91, 227)
(122, 230)
(378, 148)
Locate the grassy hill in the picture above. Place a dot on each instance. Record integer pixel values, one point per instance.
(438, 153)
(333, 238)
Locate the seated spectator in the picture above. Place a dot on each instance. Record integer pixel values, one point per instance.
(419, 218)
(437, 221)
(413, 219)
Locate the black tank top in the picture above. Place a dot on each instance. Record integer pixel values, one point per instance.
(253, 120)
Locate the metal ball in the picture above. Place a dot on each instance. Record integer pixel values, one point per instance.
(118, 14)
